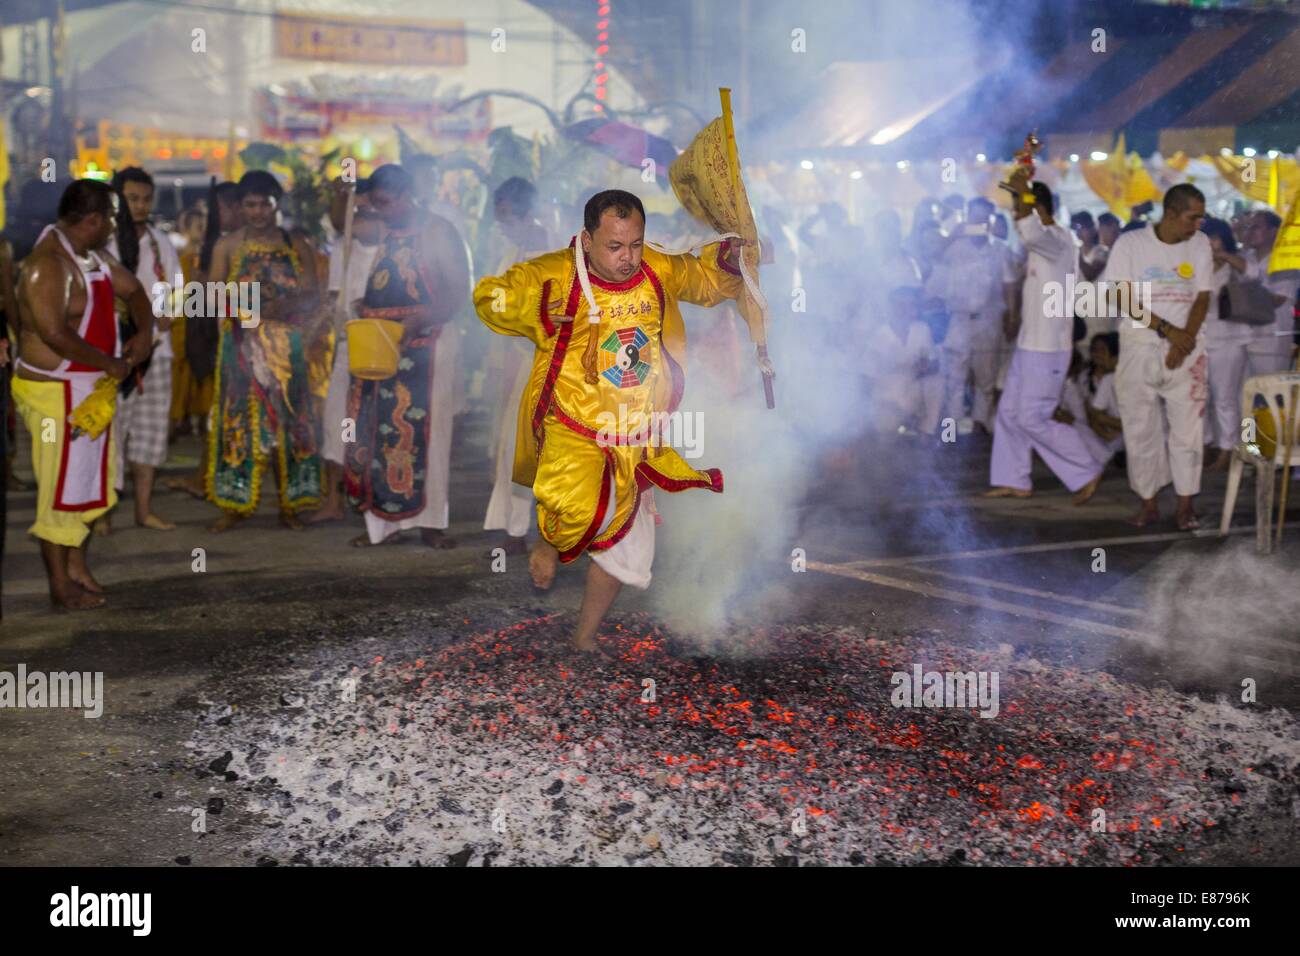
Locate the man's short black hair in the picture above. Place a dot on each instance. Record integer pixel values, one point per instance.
(1269, 218)
(1217, 227)
(390, 178)
(622, 202)
(517, 193)
(1181, 196)
(85, 197)
(1082, 218)
(1043, 197)
(1108, 219)
(258, 182)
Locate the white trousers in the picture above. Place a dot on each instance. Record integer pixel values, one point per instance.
(1228, 363)
(630, 560)
(511, 506)
(972, 350)
(437, 480)
(1025, 426)
(1163, 412)
(336, 404)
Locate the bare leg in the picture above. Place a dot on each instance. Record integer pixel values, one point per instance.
(1001, 491)
(65, 592)
(602, 588)
(194, 484)
(1222, 458)
(1148, 514)
(142, 477)
(1186, 514)
(79, 570)
(332, 509)
(542, 562)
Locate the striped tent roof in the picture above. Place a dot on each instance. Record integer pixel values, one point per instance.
(1199, 87)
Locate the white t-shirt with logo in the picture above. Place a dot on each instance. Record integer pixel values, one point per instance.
(1046, 315)
(1174, 272)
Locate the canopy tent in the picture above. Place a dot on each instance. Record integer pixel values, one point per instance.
(1234, 86)
(1230, 81)
(1196, 91)
(843, 107)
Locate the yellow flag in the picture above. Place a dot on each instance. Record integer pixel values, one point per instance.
(1274, 181)
(1286, 251)
(709, 187)
(1121, 180)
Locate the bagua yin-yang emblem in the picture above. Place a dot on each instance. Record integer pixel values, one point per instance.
(620, 357)
(628, 356)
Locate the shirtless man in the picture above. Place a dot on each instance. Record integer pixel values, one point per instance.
(67, 338)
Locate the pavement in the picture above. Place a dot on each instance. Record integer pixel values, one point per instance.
(200, 624)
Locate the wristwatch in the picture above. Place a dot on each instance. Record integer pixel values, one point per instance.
(1160, 328)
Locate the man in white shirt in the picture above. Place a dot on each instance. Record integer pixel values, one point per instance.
(1025, 422)
(1270, 345)
(1164, 276)
(969, 281)
(144, 416)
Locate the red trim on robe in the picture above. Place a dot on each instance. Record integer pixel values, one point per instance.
(557, 362)
(606, 480)
(587, 432)
(542, 315)
(647, 471)
(621, 533)
(63, 462)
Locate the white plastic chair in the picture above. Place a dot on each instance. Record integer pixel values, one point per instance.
(1275, 390)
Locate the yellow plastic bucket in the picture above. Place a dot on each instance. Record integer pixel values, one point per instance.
(1266, 434)
(373, 348)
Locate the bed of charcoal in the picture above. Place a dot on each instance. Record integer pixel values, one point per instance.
(463, 746)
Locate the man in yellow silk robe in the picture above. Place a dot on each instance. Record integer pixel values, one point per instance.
(589, 428)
